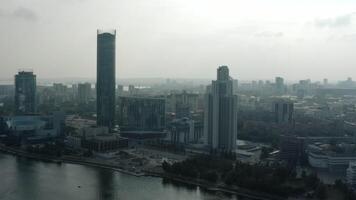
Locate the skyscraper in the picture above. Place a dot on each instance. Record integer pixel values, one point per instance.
(25, 92)
(220, 119)
(105, 90)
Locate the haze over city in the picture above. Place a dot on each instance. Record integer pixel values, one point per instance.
(181, 39)
(177, 99)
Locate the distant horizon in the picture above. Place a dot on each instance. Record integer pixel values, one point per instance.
(92, 80)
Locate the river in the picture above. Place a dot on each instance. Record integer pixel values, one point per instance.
(25, 179)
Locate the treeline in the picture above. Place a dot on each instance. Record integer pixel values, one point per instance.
(276, 179)
(206, 168)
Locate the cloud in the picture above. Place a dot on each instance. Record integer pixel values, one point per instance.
(339, 21)
(20, 13)
(269, 34)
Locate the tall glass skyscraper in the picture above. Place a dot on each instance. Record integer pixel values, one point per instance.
(105, 88)
(25, 92)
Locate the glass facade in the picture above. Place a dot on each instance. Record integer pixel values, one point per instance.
(106, 79)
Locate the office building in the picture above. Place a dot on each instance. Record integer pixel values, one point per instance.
(142, 120)
(7, 91)
(84, 92)
(182, 104)
(351, 175)
(61, 93)
(98, 140)
(143, 114)
(184, 131)
(220, 123)
(279, 86)
(25, 92)
(291, 148)
(120, 90)
(283, 111)
(105, 90)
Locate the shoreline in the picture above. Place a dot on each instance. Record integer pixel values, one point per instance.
(254, 195)
(65, 159)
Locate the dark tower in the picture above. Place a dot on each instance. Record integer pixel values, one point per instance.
(25, 92)
(105, 91)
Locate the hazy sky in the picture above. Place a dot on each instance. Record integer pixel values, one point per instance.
(182, 38)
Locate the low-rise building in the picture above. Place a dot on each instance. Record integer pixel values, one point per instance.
(97, 140)
(32, 129)
(331, 157)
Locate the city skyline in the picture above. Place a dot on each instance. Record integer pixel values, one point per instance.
(273, 37)
(233, 99)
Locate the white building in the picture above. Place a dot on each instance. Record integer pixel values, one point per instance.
(220, 119)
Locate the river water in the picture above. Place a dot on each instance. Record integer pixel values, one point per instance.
(25, 179)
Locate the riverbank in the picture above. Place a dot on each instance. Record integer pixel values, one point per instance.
(67, 159)
(153, 173)
(216, 187)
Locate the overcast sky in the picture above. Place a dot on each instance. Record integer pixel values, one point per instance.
(257, 39)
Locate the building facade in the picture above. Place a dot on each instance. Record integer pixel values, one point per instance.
(279, 87)
(25, 92)
(84, 92)
(141, 114)
(351, 175)
(283, 111)
(33, 129)
(105, 88)
(220, 118)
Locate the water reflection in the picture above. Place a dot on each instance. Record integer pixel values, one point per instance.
(33, 180)
(106, 186)
(26, 178)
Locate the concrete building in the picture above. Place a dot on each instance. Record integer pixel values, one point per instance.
(184, 131)
(7, 90)
(220, 118)
(334, 158)
(279, 86)
(351, 175)
(291, 149)
(30, 129)
(105, 88)
(283, 111)
(25, 92)
(142, 120)
(120, 90)
(84, 92)
(141, 114)
(61, 93)
(182, 103)
(97, 140)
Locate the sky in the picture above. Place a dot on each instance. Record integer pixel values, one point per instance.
(257, 39)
